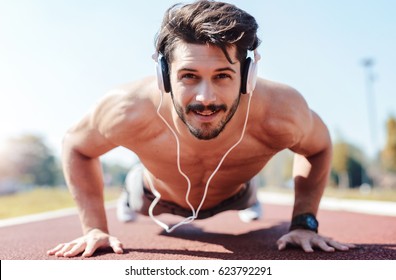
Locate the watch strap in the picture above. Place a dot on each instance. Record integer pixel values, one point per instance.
(304, 221)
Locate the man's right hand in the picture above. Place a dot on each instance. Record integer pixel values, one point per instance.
(87, 245)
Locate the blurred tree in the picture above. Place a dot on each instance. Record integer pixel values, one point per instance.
(287, 170)
(28, 161)
(348, 168)
(388, 155)
(114, 174)
(357, 173)
(278, 170)
(340, 163)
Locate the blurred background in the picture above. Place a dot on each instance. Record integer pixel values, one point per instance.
(57, 58)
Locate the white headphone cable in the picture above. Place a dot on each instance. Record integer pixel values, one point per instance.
(158, 195)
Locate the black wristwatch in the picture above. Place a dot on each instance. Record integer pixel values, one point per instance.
(304, 221)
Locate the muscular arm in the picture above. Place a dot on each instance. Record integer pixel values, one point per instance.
(288, 122)
(310, 140)
(83, 174)
(311, 166)
(82, 147)
(311, 170)
(117, 120)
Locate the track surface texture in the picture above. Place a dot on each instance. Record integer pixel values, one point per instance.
(223, 237)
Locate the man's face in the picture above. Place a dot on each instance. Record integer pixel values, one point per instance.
(205, 88)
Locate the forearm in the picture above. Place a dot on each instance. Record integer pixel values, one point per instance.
(310, 179)
(84, 179)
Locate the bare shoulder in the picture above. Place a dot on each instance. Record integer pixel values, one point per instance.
(283, 113)
(281, 96)
(124, 110)
(114, 120)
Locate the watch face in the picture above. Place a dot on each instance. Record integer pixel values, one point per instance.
(311, 222)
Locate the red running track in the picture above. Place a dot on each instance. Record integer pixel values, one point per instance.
(223, 237)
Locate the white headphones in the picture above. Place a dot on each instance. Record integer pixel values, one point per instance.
(248, 75)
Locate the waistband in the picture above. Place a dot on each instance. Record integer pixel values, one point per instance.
(230, 203)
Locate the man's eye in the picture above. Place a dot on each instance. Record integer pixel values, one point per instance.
(189, 76)
(223, 76)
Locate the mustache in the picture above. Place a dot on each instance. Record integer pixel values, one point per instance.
(201, 108)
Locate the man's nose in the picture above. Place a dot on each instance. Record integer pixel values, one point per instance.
(205, 93)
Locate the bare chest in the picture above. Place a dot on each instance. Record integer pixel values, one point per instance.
(219, 168)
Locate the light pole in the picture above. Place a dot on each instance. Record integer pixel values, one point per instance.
(368, 64)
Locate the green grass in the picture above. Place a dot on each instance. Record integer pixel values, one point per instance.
(41, 200)
(374, 194)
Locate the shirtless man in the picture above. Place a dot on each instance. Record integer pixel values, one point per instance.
(206, 95)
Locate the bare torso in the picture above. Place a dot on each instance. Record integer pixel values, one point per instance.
(199, 164)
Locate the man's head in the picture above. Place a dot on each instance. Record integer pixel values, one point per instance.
(207, 22)
(205, 46)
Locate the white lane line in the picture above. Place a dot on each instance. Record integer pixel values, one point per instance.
(45, 216)
(384, 208)
(38, 217)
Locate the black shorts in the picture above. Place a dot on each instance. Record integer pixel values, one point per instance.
(245, 198)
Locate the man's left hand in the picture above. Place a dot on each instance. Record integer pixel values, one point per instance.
(308, 240)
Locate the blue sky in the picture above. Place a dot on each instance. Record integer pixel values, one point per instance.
(57, 58)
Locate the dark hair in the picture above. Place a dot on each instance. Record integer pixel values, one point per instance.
(208, 22)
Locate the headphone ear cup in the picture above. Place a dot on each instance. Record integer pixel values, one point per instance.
(163, 78)
(245, 75)
(165, 74)
(252, 77)
(249, 76)
(160, 80)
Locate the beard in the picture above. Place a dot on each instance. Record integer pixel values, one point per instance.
(206, 131)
